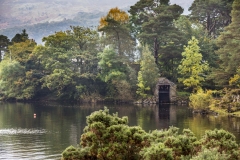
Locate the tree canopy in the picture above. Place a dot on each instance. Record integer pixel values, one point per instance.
(152, 23)
(229, 49)
(214, 15)
(127, 52)
(115, 31)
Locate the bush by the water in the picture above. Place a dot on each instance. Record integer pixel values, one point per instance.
(108, 137)
(229, 100)
(201, 100)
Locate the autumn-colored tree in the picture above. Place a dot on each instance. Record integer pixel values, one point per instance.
(192, 67)
(235, 80)
(116, 33)
(115, 14)
(207, 45)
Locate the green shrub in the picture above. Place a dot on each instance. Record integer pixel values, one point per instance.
(157, 151)
(223, 141)
(183, 144)
(109, 137)
(72, 153)
(210, 154)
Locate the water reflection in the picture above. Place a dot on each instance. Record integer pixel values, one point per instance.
(57, 126)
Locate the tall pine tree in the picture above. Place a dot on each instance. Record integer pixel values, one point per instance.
(214, 15)
(229, 51)
(153, 24)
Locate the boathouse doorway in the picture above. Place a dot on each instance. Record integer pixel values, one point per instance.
(164, 94)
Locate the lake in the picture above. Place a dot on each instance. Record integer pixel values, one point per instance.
(56, 126)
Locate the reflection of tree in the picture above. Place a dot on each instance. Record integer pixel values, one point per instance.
(167, 115)
(146, 117)
(199, 123)
(64, 123)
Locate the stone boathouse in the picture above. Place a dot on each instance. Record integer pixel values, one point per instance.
(165, 91)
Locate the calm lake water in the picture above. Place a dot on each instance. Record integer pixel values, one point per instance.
(57, 126)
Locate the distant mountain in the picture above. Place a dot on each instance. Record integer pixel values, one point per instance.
(40, 30)
(43, 17)
(22, 12)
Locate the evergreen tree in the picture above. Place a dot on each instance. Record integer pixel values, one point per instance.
(229, 50)
(214, 15)
(192, 67)
(153, 24)
(20, 37)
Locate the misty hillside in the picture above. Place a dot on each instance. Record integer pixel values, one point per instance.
(40, 30)
(22, 12)
(42, 18)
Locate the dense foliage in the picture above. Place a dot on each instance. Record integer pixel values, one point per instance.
(109, 137)
(152, 22)
(122, 58)
(214, 15)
